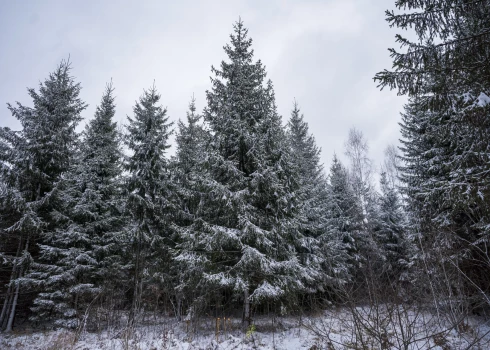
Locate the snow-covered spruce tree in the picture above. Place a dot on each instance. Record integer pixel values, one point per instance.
(101, 204)
(305, 158)
(77, 256)
(319, 249)
(245, 234)
(391, 233)
(445, 158)
(32, 161)
(151, 198)
(191, 141)
(190, 176)
(99, 207)
(446, 130)
(447, 75)
(451, 54)
(345, 220)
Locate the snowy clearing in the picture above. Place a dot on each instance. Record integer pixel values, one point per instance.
(335, 330)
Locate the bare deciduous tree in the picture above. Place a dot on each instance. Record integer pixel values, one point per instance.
(361, 169)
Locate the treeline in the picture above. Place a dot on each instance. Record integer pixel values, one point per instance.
(244, 219)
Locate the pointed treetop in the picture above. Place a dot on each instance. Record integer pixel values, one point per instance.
(192, 104)
(336, 164)
(192, 117)
(107, 98)
(240, 44)
(103, 120)
(296, 122)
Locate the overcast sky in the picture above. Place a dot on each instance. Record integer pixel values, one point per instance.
(324, 54)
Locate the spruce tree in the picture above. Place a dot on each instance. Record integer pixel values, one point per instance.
(32, 161)
(446, 130)
(320, 249)
(244, 236)
(392, 231)
(446, 75)
(151, 197)
(445, 157)
(78, 253)
(345, 219)
(190, 176)
(305, 158)
(191, 140)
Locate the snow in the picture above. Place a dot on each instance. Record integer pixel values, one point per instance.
(266, 290)
(169, 335)
(331, 330)
(483, 100)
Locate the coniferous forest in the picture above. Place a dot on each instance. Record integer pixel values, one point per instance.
(104, 227)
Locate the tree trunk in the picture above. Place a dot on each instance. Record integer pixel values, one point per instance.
(6, 305)
(12, 311)
(246, 307)
(136, 282)
(16, 296)
(179, 307)
(8, 300)
(9, 294)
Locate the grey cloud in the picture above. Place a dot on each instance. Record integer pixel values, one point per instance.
(323, 53)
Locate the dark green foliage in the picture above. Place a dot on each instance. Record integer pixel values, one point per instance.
(78, 256)
(244, 235)
(445, 131)
(391, 233)
(32, 162)
(320, 248)
(451, 54)
(345, 218)
(151, 198)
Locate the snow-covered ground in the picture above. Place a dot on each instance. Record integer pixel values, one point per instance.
(152, 338)
(333, 330)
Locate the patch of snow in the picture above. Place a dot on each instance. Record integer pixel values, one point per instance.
(483, 100)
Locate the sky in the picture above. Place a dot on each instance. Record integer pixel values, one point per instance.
(323, 54)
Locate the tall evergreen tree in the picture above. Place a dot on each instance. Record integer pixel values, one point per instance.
(245, 234)
(86, 217)
(392, 234)
(151, 200)
(305, 156)
(345, 218)
(444, 162)
(446, 130)
(191, 141)
(32, 161)
(191, 177)
(320, 249)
